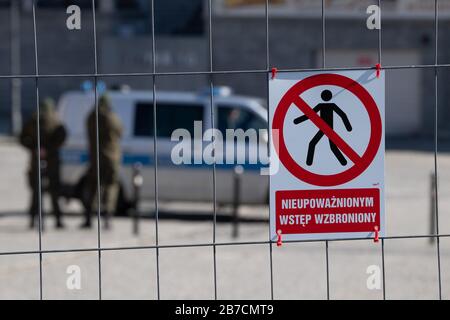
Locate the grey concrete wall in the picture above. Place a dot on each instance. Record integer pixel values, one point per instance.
(61, 51)
(237, 44)
(296, 43)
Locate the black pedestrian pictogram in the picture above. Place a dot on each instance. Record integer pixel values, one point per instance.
(326, 111)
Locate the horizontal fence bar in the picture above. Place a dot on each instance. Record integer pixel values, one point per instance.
(218, 244)
(217, 72)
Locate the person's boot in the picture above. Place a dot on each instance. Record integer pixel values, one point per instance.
(42, 225)
(32, 223)
(87, 219)
(59, 224)
(106, 222)
(86, 225)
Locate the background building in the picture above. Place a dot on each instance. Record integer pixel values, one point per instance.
(239, 42)
(295, 28)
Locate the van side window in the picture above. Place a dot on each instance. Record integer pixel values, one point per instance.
(238, 118)
(170, 116)
(143, 120)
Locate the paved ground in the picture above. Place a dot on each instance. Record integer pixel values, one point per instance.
(242, 271)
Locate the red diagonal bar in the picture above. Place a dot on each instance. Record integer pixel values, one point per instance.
(326, 129)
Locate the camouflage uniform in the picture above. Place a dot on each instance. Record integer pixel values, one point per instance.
(110, 156)
(52, 137)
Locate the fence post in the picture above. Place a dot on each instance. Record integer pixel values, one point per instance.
(237, 175)
(16, 83)
(432, 206)
(138, 180)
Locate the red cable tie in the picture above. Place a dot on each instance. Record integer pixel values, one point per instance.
(378, 68)
(377, 235)
(274, 73)
(279, 239)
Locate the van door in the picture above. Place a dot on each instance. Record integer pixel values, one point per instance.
(242, 150)
(142, 146)
(176, 182)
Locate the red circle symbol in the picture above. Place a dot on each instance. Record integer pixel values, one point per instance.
(360, 163)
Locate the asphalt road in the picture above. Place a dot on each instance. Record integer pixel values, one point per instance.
(243, 271)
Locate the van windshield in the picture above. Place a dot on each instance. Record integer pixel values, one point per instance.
(232, 117)
(262, 102)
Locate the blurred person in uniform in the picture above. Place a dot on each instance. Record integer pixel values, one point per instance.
(238, 120)
(110, 156)
(52, 137)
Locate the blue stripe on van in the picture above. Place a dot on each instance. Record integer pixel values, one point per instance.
(72, 156)
(81, 157)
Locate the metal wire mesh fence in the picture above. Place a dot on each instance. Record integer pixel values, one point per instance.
(210, 73)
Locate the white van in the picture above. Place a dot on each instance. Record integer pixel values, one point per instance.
(185, 182)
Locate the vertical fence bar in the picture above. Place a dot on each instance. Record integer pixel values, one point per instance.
(436, 25)
(383, 270)
(38, 129)
(269, 142)
(379, 33)
(432, 207)
(155, 152)
(97, 138)
(323, 66)
(327, 262)
(211, 86)
(382, 240)
(15, 52)
(323, 34)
